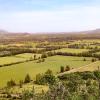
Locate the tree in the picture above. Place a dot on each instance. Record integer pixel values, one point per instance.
(93, 60)
(46, 78)
(11, 83)
(20, 83)
(43, 60)
(97, 74)
(61, 69)
(84, 59)
(40, 79)
(27, 79)
(44, 55)
(49, 77)
(34, 57)
(67, 68)
(27, 95)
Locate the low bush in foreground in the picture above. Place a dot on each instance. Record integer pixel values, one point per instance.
(74, 86)
(46, 78)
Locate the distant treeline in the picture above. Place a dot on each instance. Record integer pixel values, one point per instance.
(13, 38)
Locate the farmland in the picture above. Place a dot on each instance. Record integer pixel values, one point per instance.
(69, 50)
(27, 63)
(54, 63)
(17, 58)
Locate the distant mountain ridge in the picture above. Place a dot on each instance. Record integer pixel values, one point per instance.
(96, 31)
(3, 31)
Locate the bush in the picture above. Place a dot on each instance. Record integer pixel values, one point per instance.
(84, 59)
(11, 83)
(40, 79)
(93, 60)
(43, 60)
(97, 74)
(49, 77)
(46, 78)
(27, 79)
(44, 55)
(87, 75)
(27, 95)
(62, 69)
(20, 83)
(67, 68)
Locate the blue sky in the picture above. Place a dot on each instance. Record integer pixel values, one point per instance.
(49, 15)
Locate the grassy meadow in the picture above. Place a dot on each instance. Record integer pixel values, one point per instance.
(17, 72)
(69, 50)
(17, 58)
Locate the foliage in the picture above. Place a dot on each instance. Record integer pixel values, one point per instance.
(44, 55)
(27, 79)
(62, 69)
(11, 83)
(46, 78)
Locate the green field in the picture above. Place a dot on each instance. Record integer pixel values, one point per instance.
(17, 72)
(90, 67)
(69, 50)
(11, 59)
(27, 55)
(17, 58)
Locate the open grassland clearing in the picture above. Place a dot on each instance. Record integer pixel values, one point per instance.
(10, 59)
(17, 72)
(17, 58)
(27, 55)
(69, 50)
(89, 67)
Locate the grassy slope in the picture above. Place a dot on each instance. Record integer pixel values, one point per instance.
(89, 67)
(18, 71)
(17, 58)
(69, 50)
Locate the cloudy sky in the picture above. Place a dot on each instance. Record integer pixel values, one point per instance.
(49, 15)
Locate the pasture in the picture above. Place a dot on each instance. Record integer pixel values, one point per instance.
(27, 55)
(89, 67)
(17, 58)
(69, 50)
(17, 72)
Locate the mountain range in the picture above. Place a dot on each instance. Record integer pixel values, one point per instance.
(96, 31)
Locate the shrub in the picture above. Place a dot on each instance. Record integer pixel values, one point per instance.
(27, 79)
(93, 60)
(61, 69)
(20, 83)
(44, 55)
(42, 60)
(46, 78)
(84, 59)
(49, 77)
(40, 79)
(27, 95)
(67, 68)
(11, 83)
(97, 74)
(34, 57)
(87, 75)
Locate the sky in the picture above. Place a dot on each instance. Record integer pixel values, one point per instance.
(49, 15)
